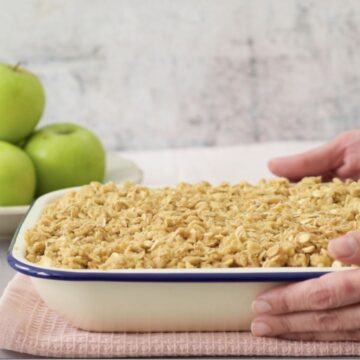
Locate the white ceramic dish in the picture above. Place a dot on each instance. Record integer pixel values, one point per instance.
(10, 218)
(118, 170)
(150, 300)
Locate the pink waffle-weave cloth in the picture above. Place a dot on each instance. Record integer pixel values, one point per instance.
(27, 325)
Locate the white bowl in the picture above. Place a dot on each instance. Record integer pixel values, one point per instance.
(118, 170)
(10, 217)
(150, 300)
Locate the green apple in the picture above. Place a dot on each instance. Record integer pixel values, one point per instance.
(65, 155)
(22, 101)
(17, 176)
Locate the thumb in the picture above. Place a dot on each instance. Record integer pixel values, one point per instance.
(346, 248)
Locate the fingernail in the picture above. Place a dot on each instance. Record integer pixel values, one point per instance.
(344, 247)
(259, 328)
(260, 307)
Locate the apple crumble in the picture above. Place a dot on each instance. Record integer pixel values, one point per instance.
(272, 223)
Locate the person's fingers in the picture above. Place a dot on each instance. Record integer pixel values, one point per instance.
(327, 177)
(327, 292)
(343, 319)
(311, 163)
(350, 169)
(324, 336)
(350, 166)
(320, 161)
(346, 248)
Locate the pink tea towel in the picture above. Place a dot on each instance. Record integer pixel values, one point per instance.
(27, 325)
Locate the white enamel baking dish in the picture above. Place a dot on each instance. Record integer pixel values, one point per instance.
(150, 300)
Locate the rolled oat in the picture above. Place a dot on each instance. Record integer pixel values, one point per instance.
(272, 223)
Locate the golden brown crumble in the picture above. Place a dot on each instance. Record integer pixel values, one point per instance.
(272, 223)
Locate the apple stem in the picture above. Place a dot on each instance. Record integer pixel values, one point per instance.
(17, 66)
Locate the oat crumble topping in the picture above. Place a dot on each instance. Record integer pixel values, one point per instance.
(272, 223)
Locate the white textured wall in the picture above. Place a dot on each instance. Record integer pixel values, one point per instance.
(168, 73)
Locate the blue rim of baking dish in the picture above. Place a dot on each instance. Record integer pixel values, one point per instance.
(160, 275)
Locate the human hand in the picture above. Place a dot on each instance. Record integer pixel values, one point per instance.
(327, 308)
(323, 309)
(338, 158)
